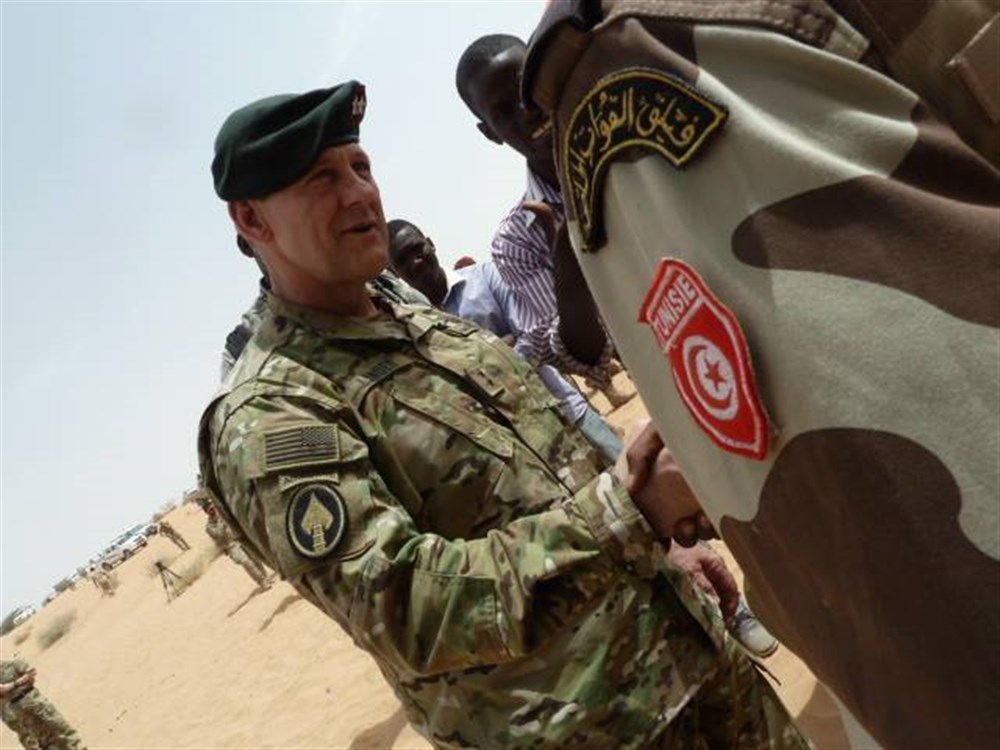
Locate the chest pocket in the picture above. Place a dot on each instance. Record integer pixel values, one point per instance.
(476, 427)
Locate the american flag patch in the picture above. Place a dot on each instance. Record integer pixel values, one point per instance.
(300, 446)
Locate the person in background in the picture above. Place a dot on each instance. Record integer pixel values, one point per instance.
(561, 324)
(29, 714)
(167, 529)
(220, 533)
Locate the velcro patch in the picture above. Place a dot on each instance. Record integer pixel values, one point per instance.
(300, 446)
(637, 107)
(316, 520)
(709, 359)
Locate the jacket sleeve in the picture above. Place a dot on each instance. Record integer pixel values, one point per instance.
(423, 603)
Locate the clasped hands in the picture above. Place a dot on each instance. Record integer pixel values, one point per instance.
(651, 476)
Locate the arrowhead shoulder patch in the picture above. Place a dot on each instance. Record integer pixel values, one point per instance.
(316, 520)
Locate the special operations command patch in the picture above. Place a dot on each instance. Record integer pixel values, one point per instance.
(316, 520)
(637, 107)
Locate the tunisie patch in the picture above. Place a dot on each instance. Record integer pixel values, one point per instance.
(709, 359)
(637, 107)
(316, 520)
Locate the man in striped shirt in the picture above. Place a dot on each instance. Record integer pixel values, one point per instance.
(561, 324)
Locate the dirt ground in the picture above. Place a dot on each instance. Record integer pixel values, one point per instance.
(226, 666)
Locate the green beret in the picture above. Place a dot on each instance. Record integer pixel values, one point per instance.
(269, 144)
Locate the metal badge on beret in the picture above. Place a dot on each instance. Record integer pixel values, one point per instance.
(638, 107)
(316, 520)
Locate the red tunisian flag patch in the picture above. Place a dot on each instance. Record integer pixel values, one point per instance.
(708, 357)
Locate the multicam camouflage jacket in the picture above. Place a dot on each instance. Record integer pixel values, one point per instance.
(798, 258)
(10, 670)
(412, 477)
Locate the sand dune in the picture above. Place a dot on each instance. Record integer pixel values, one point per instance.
(223, 666)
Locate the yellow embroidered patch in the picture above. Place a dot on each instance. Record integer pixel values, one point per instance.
(635, 107)
(316, 519)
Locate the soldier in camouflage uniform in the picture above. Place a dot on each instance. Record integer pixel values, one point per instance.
(37, 723)
(799, 263)
(224, 539)
(104, 581)
(411, 476)
(173, 535)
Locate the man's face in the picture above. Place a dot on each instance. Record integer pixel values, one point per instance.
(414, 258)
(495, 98)
(327, 229)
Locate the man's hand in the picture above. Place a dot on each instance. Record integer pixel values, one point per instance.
(653, 479)
(543, 211)
(709, 572)
(28, 678)
(636, 462)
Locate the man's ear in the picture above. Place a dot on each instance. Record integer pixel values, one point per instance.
(489, 132)
(249, 222)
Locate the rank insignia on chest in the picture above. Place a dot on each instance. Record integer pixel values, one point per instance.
(638, 108)
(709, 359)
(316, 520)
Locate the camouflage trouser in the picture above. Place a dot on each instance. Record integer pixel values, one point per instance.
(254, 569)
(38, 725)
(735, 710)
(177, 539)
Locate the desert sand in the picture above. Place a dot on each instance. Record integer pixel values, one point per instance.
(226, 666)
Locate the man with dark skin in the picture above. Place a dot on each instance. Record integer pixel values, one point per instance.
(544, 265)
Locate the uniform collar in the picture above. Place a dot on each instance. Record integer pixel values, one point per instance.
(394, 321)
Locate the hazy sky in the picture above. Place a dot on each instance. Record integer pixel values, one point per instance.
(120, 276)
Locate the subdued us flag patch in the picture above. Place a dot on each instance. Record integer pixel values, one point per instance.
(300, 446)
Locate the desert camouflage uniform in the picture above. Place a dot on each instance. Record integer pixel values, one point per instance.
(104, 582)
(857, 240)
(223, 537)
(509, 591)
(32, 717)
(167, 530)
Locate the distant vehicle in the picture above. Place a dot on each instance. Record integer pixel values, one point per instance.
(22, 614)
(152, 529)
(124, 546)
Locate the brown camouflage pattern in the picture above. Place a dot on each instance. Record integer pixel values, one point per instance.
(505, 585)
(923, 43)
(857, 239)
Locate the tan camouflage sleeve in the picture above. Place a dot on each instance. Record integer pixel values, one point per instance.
(848, 452)
(422, 602)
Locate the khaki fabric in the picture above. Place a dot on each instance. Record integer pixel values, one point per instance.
(856, 238)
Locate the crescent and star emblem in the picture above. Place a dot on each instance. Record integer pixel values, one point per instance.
(712, 377)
